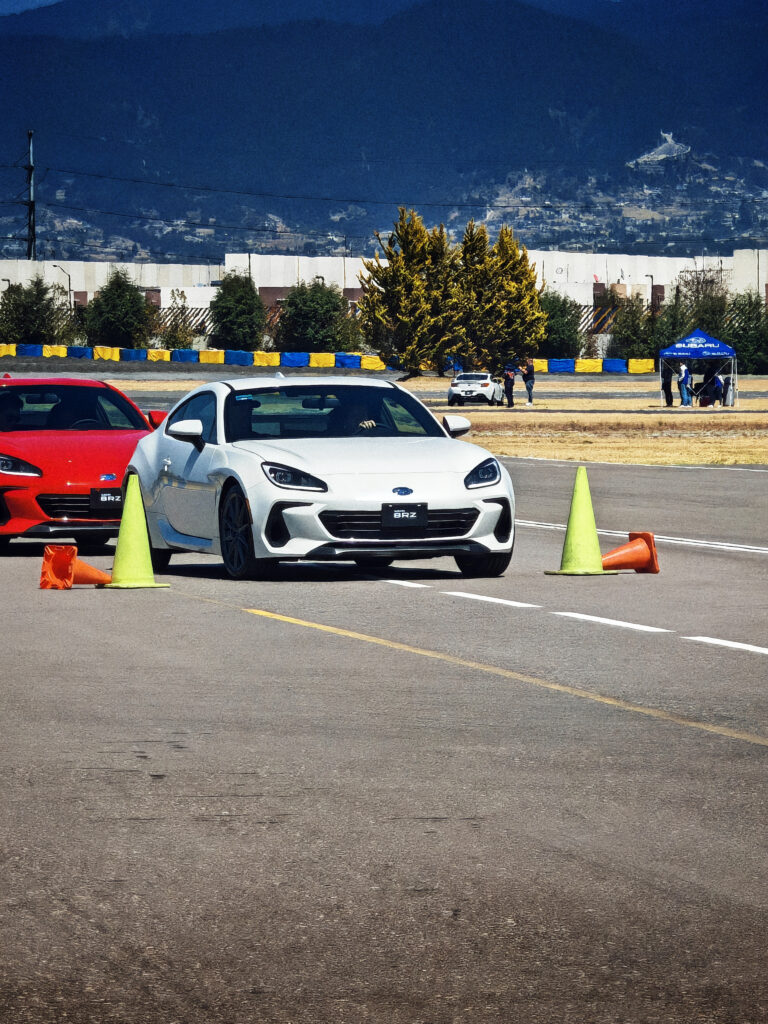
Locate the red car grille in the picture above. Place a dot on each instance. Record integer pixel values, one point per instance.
(452, 522)
(71, 506)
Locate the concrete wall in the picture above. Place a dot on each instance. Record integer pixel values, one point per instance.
(91, 277)
(569, 273)
(287, 271)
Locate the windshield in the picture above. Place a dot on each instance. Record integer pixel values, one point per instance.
(303, 411)
(65, 407)
(472, 376)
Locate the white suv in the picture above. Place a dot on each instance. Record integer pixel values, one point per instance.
(473, 387)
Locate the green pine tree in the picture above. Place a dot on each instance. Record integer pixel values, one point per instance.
(34, 314)
(119, 316)
(313, 318)
(562, 334)
(395, 308)
(238, 315)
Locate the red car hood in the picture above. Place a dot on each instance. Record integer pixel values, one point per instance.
(72, 457)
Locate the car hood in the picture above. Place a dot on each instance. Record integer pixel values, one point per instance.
(94, 451)
(370, 455)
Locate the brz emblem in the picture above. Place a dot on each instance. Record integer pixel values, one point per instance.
(107, 476)
(402, 490)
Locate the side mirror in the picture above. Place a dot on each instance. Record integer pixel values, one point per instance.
(187, 430)
(456, 426)
(156, 417)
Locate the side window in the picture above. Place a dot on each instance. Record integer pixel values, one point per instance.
(201, 407)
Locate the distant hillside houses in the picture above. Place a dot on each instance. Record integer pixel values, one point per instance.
(583, 277)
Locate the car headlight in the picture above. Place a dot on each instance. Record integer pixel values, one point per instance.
(294, 479)
(18, 467)
(484, 475)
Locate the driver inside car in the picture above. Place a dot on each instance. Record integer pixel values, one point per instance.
(352, 418)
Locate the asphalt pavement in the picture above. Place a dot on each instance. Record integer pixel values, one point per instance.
(403, 798)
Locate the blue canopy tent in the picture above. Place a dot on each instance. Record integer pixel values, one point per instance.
(698, 345)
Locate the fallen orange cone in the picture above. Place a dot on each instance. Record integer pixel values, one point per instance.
(639, 554)
(62, 569)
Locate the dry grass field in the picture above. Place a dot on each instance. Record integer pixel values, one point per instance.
(614, 420)
(606, 419)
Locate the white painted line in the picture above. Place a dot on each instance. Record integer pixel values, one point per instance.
(727, 643)
(406, 583)
(566, 463)
(614, 622)
(659, 538)
(491, 600)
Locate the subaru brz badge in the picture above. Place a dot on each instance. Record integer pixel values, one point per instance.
(402, 490)
(107, 476)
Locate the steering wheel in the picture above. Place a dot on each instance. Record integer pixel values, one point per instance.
(84, 423)
(360, 429)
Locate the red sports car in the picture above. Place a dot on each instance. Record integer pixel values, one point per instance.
(64, 446)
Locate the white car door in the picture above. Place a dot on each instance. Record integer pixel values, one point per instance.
(187, 492)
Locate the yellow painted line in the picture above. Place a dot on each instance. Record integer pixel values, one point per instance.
(519, 677)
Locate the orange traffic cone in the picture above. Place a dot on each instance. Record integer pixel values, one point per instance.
(62, 569)
(639, 554)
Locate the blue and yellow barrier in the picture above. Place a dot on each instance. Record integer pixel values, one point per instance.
(640, 365)
(322, 360)
(315, 360)
(266, 358)
(588, 365)
(212, 355)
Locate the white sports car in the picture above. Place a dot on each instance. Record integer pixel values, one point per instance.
(262, 470)
(472, 387)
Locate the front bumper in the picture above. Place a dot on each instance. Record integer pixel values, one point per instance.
(302, 529)
(22, 516)
(407, 550)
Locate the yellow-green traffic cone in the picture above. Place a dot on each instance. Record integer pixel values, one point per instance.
(133, 562)
(581, 550)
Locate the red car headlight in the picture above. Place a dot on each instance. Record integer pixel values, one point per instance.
(18, 467)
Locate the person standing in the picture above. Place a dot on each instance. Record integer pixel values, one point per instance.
(527, 373)
(509, 385)
(666, 382)
(684, 383)
(717, 390)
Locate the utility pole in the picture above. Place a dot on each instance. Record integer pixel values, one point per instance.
(30, 203)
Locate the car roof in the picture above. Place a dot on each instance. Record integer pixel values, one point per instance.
(311, 380)
(51, 382)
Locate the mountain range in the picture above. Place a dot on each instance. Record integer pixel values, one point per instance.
(160, 131)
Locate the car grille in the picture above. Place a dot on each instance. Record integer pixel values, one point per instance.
(71, 506)
(452, 522)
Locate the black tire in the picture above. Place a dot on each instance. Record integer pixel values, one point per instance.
(483, 565)
(373, 562)
(451, 401)
(236, 539)
(92, 543)
(161, 558)
(236, 535)
(4, 543)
